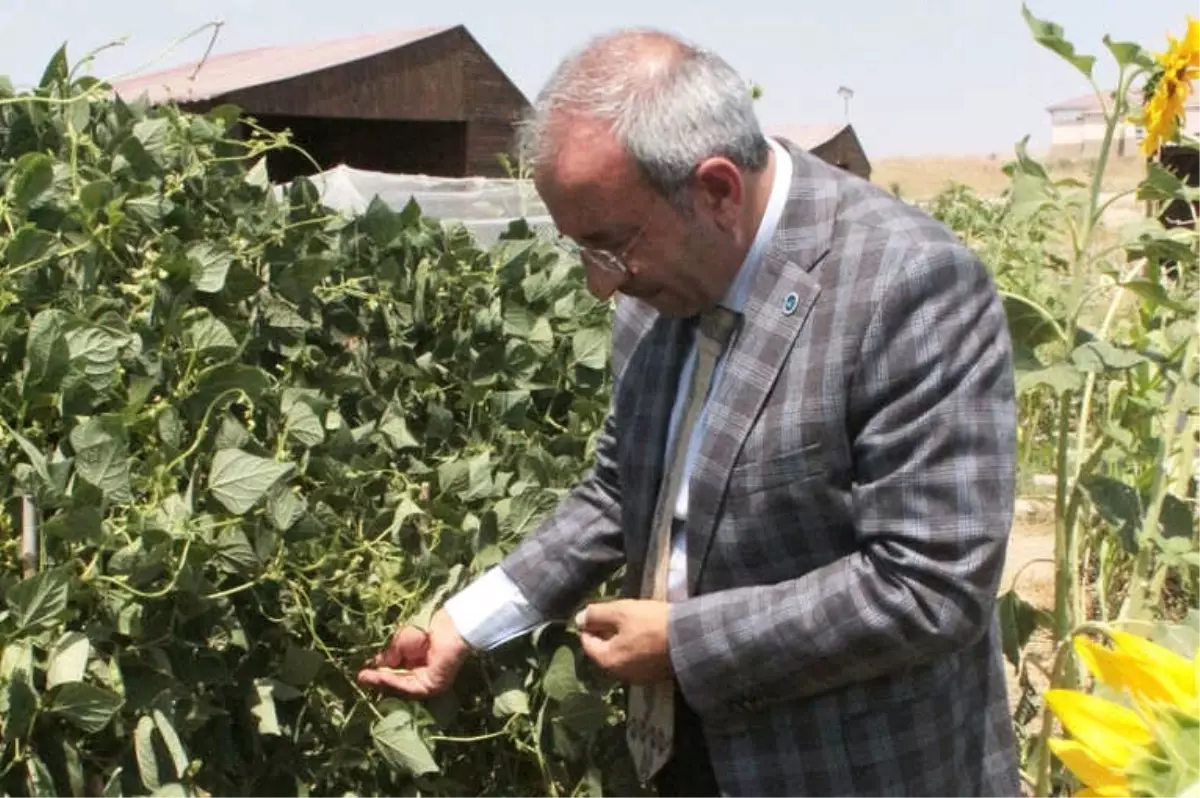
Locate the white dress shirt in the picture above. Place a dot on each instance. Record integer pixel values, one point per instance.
(492, 609)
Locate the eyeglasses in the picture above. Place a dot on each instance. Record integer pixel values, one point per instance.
(608, 261)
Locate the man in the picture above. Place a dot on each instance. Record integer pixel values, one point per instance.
(813, 526)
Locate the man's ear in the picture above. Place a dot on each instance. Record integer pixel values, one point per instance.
(720, 190)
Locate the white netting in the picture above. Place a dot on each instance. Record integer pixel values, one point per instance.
(486, 206)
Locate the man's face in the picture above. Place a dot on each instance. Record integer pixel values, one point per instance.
(678, 263)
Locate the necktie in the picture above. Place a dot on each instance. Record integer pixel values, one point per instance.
(650, 725)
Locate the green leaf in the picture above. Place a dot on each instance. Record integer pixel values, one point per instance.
(301, 665)
(94, 353)
(36, 459)
(235, 554)
(29, 244)
(560, 680)
(1177, 519)
(210, 265)
(1061, 377)
(1050, 36)
(1129, 53)
(87, 706)
(585, 714)
(238, 479)
(31, 177)
(1103, 356)
(47, 355)
(57, 70)
(1155, 294)
(68, 659)
(396, 430)
(152, 134)
(284, 507)
(589, 347)
(1118, 504)
(210, 336)
(102, 456)
(1161, 184)
(143, 748)
(179, 757)
(1018, 621)
(510, 696)
(396, 738)
(41, 598)
(40, 780)
(300, 409)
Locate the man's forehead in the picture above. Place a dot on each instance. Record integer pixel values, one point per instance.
(590, 185)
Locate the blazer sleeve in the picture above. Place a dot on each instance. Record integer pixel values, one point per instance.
(932, 420)
(581, 544)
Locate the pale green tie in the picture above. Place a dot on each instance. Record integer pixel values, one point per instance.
(651, 723)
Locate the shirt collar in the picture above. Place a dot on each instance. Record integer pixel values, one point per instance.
(735, 297)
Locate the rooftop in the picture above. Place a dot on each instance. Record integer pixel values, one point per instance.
(230, 72)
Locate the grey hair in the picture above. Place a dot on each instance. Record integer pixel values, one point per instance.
(669, 111)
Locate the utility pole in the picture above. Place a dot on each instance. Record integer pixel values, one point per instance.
(846, 93)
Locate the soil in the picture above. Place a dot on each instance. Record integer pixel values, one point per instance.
(1029, 569)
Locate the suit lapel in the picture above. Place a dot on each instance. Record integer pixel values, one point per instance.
(779, 305)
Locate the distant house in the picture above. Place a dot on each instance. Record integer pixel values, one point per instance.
(427, 101)
(1077, 126)
(835, 144)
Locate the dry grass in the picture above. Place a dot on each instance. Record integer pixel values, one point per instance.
(922, 178)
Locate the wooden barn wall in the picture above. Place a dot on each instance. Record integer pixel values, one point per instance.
(398, 146)
(845, 152)
(489, 94)
(422, 80)
(486, 138)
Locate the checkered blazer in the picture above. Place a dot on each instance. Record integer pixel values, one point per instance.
(849, 508)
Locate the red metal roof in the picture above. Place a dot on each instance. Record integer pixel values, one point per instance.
(222, 74)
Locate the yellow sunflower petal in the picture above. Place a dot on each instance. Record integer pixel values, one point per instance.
(1090, 770)
(1111, 731)
(1179, 672)
(1122, 670)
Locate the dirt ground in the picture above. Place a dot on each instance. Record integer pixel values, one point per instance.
(1029, 569)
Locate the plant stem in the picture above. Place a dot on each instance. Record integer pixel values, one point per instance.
(1135, 599)
(1064, 571)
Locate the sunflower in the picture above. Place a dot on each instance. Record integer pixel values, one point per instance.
(1172, 82)
(1143, 749)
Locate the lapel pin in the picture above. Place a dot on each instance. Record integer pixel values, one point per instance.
(790, 302)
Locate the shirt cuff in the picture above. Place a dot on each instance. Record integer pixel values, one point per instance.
(491, 611)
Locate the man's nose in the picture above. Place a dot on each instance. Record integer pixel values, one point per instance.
(602, 283)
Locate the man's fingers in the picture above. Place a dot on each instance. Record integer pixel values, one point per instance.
(596, 648)
(603, 618)
(410, 683)
(408, 649)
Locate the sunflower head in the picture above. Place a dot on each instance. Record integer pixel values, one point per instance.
(1169, 87)
(1149, 744)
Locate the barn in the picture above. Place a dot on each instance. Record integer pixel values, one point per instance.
(835, 144)
(428, 101)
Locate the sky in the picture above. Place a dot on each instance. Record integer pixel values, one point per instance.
(930, 77)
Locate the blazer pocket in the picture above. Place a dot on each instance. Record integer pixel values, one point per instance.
(789, 468)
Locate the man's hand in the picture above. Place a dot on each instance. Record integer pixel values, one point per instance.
(627, 638)
(428, 661)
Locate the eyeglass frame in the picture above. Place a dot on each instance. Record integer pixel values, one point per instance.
(608, 261)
